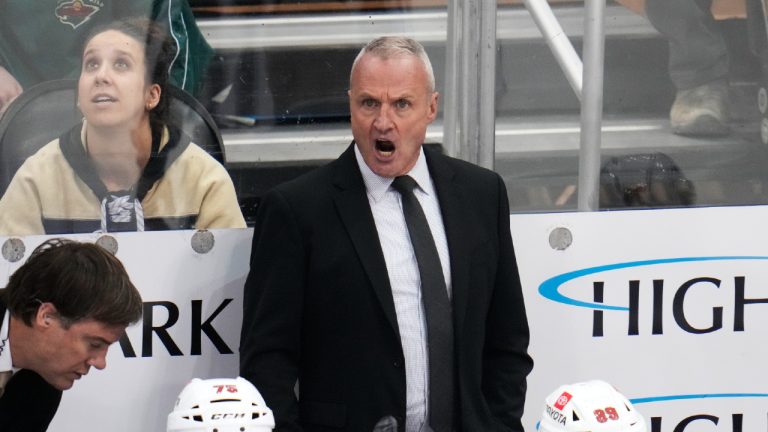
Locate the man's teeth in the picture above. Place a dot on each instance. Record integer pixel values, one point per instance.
(386, 148)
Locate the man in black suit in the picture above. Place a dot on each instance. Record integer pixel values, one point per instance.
(60, 313)
(336, 300)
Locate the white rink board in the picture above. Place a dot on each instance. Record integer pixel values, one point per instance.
(682, 352)
(136, 394)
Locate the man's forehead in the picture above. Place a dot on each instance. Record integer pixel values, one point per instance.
(94, 329)
(371, 64)
(397, 84)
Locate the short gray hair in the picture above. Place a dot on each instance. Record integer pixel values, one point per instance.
(397, 46)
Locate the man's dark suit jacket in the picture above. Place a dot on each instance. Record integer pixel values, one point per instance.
(29, 402)
(318, 305)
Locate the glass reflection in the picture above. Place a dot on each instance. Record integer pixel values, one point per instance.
(682, 79)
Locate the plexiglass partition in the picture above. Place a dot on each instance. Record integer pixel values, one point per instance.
(266, 82)
(682, 106)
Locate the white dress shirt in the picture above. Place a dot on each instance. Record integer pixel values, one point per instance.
(387, 208)
(6, 364)
(5, 347)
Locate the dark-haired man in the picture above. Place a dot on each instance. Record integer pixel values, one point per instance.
(60, 313)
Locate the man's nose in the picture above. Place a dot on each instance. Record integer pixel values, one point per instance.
(99, 361)
(383, 119)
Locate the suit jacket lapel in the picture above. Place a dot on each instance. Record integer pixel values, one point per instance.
(355, 212)
(457, 224)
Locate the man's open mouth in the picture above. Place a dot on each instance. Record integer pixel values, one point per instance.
(385, 147)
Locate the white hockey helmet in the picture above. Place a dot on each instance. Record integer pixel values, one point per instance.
(591, 406)
(220, 405)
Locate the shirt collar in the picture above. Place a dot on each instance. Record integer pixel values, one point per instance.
(6, 362)
(377, 186)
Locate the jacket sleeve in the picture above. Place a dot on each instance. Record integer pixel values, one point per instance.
(272, 308)
(219, 208)
(506, 362)
(20, 207)
(193, 51)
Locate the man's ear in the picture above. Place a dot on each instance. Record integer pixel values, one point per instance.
(432, 107)
(45, 314)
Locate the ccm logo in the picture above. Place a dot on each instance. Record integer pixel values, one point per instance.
(228, 416)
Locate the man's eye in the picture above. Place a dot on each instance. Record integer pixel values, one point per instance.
(402, 104)
(97, 345)
(369, 103)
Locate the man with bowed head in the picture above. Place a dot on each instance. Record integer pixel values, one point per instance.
(385, 282)
(60, 313)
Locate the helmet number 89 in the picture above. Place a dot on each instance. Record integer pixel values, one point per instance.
(603, 415)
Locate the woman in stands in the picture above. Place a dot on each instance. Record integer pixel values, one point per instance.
(124, 168)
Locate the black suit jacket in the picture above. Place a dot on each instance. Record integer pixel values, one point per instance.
(29, 402)
(318, 305)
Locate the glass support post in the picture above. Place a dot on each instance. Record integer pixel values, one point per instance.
(586, 80)
(469, 104)
(591, 106)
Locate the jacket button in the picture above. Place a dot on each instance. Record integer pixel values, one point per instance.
(396, 364)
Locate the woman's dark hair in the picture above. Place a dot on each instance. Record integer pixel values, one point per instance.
(159, 52)
(82, 280)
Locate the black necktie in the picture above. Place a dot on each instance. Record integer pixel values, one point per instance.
(437, 307)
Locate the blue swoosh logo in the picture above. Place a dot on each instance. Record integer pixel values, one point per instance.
(549, 289)
(697, 396)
